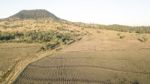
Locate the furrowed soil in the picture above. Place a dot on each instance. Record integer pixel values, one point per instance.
(13, 53)
(101, 57)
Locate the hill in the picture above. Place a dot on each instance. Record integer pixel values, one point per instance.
(41, 14)
(123, 53)
(34, 14)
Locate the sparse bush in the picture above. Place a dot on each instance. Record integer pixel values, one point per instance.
(50, 46)
(122, 28)
(142, 39)
(135, 82)
(115, 27)
(41, 36)
(51, 38)
(6, 36)
(120, 36)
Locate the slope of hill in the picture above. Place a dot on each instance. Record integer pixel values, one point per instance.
(47, 34)
(44, 14)
(34, 14)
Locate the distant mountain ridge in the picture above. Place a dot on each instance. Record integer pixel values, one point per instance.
(34, 14)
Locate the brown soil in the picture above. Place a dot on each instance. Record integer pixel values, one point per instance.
(101, 57)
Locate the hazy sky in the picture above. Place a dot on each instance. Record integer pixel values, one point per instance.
(126, 12)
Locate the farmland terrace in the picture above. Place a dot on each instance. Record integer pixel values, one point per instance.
(102, 57)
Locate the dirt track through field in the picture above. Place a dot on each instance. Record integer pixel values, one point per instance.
(94, 60)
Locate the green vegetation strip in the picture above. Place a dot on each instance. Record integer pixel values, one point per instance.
(51, 38)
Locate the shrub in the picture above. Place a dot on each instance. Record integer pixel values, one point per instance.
(6, 36)
(120, 36)
(52, 38)
(135, 82)
(50, 46)
(142, 39)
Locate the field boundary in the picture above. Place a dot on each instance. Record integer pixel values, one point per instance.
(21, 65)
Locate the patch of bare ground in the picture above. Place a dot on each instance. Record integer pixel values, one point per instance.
(101, 57)
(13, 53)
(15, 57)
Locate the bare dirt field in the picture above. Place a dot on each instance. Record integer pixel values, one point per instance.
(102, 57)
(12, 53)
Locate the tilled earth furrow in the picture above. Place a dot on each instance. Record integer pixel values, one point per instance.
(78, 69)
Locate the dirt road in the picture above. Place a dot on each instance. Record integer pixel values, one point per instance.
(98, 59)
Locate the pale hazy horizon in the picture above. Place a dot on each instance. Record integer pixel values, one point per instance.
(123, 12)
